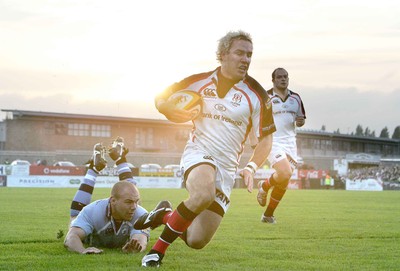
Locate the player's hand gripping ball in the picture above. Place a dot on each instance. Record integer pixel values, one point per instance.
(188, 100)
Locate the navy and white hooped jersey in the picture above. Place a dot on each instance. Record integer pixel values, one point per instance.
(96, 221)
(225, 122)
(285, 113)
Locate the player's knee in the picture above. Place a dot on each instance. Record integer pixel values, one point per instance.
(197, 243)
(284, 177)
(283, 180)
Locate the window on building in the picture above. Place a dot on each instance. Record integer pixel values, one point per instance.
(335, 145)
(150, 137)
(61, 128)
(345, 146)
(182, 135)
(101, 130)
(144, 137)
(316, 144)
(48, 128)
(305, 143)
(386, 150)
(82, 129)
(372, 148)
(78, 129)
(137, 137)
(355, 147)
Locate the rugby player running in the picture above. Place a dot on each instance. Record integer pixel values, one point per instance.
(233, 104)
(289, 113)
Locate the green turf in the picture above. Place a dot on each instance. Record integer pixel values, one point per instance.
(316, 230)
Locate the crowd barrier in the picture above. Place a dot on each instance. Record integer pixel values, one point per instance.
(41, 181)
(49, 176)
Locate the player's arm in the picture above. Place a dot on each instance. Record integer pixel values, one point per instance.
(73, 242)
(169, 110)
(257, 159)
(137, 243)
(300, 121)
(253, 140)
(264, 128)
(301, 115)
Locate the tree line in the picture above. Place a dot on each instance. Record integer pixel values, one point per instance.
(367, 132)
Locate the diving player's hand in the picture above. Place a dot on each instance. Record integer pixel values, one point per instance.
(132, 246)
(92, 250)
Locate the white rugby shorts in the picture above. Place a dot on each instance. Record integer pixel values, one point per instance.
(224, 180)
(282, 151)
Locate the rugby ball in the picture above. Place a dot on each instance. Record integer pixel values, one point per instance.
(188, 100)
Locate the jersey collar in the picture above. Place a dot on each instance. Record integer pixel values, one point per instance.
(272, 93)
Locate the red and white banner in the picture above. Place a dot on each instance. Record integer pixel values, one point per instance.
(58, 171)
(311, 173)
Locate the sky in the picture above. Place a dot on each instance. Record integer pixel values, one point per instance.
(112, 57)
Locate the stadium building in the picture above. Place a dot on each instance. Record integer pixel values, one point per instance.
(36, 135)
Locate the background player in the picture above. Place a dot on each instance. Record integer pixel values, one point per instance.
(107, 222)
(288, 111)
(233, 103)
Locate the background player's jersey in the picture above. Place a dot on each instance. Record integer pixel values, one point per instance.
(285, 113)
(225, 122)
(96, 221)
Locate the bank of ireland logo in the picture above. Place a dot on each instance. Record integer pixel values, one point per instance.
(236, 99)
(220, 107)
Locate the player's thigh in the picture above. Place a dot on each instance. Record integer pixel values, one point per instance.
(203, 228)
(200, 184)
(283, 166)
(201, 177)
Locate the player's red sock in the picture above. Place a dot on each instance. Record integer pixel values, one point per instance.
(268, 183)
(166, 217)
(276, 196)
(178, 222)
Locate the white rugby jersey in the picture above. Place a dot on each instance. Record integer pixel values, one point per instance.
(96, 221)
(225, 122)
(285, 113)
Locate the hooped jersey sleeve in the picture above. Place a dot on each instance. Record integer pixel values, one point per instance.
(262, 119)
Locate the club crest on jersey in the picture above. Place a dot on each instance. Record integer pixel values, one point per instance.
(209, 93)
(236, 99)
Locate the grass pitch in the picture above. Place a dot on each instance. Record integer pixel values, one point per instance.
(316, 230)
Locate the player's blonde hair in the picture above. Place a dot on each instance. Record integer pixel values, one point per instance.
(225, 43)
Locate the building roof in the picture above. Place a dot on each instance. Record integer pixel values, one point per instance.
(26, 113)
